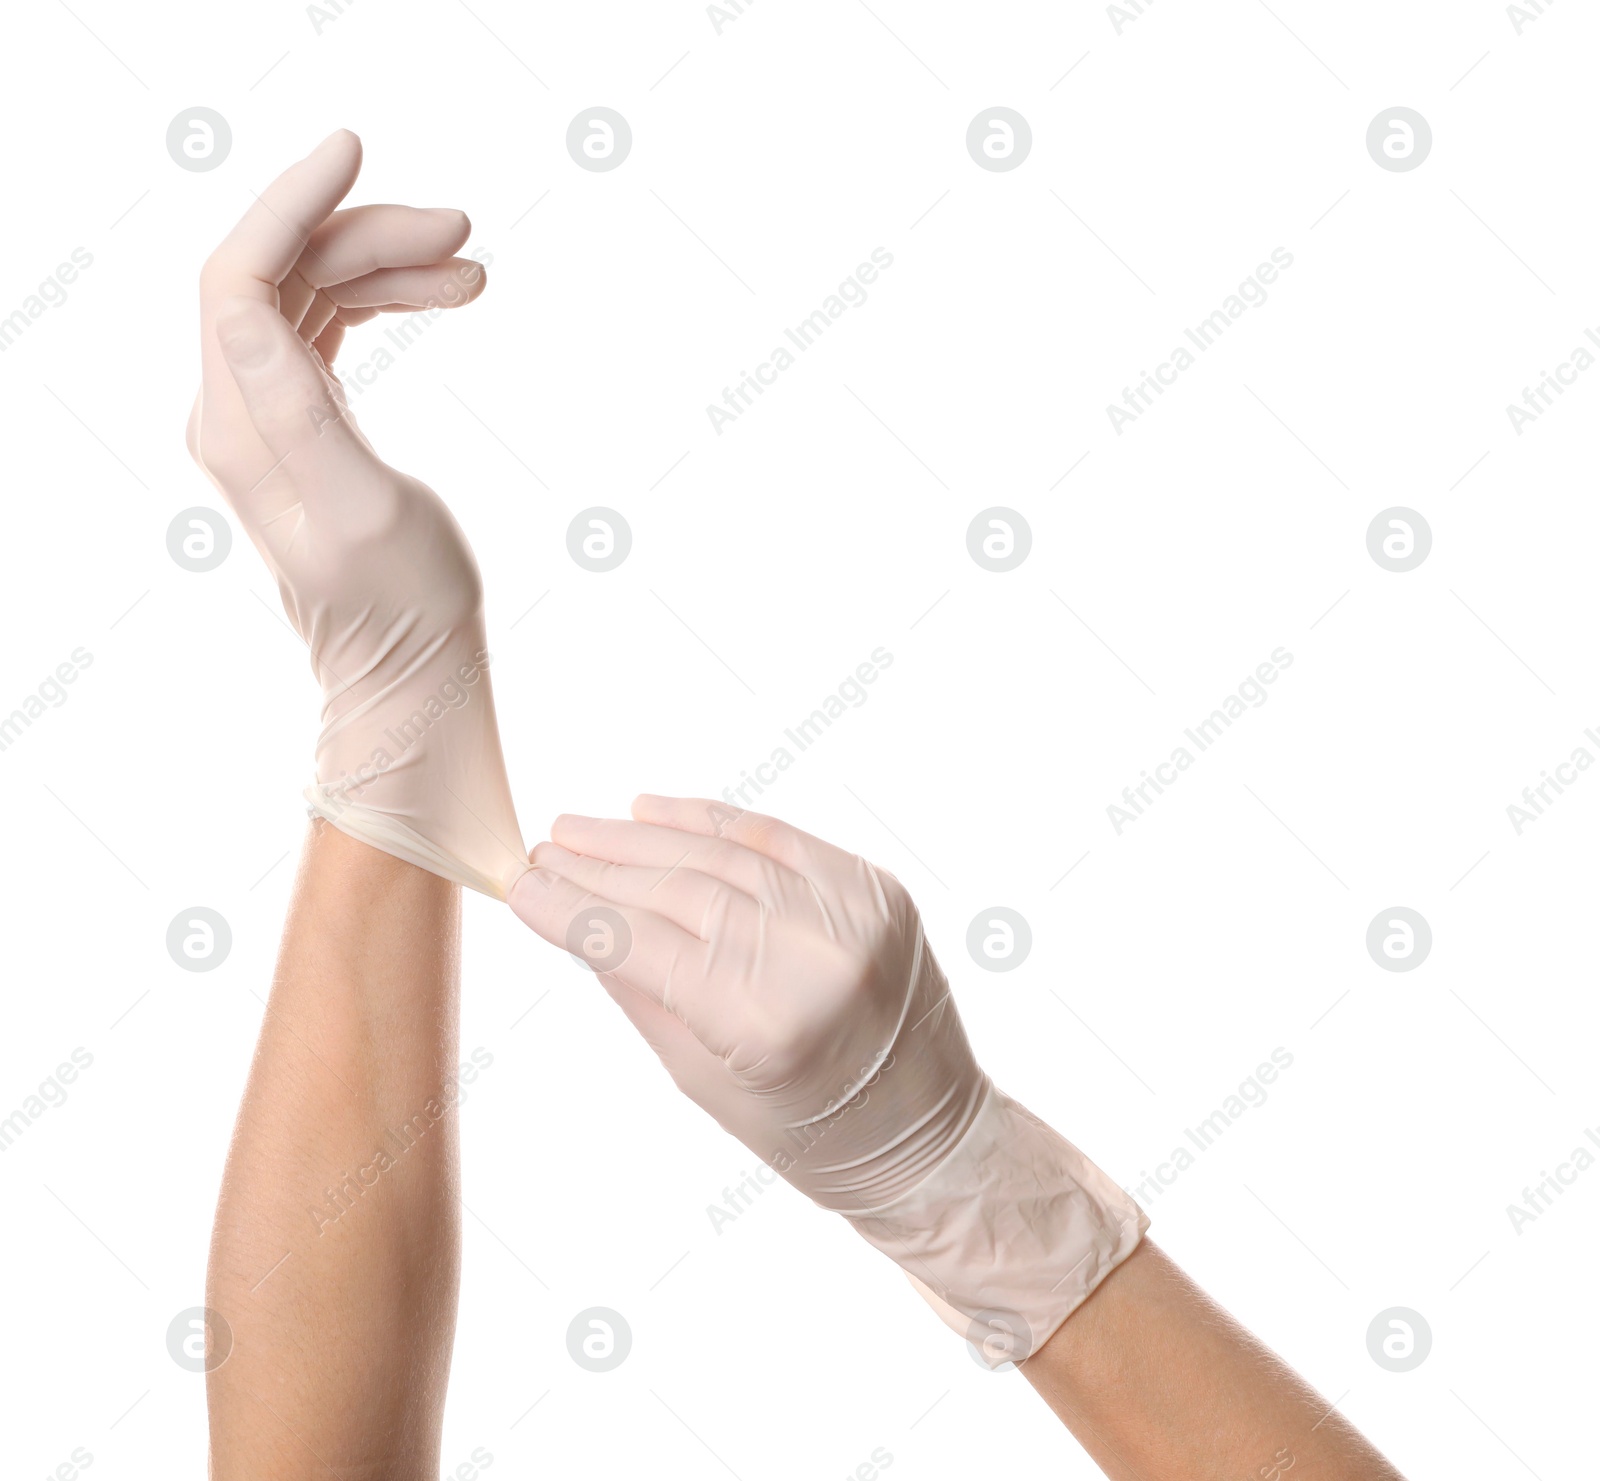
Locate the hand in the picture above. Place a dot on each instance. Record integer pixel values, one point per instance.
(375, 574)
(789, 990)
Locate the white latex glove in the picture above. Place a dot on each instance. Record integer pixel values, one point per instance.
(374, 572)
(788, 989)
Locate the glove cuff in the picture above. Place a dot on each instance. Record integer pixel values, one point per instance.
(385, 831)
(1010, 1234)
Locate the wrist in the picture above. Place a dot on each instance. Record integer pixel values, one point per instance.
(416, 769)
(1010, 1234)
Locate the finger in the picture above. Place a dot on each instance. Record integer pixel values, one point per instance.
(319, 314)
(291, 405)
(768, 836)
(362, 239)
(294, 297)
(271, 236)
(327, 343)
(699, 904)
(650, 955)
(448, 284)
(651, 847)
(250, 263)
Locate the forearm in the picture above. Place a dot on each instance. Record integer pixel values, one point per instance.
(334, 1256)
(1156, 1380)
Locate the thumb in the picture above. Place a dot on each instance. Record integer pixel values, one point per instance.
(287, 395)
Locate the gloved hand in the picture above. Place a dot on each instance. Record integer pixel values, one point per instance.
(788, 989)
(374, 572)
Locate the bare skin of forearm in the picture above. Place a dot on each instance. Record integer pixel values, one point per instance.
(335, 1253)
(1156, 1380)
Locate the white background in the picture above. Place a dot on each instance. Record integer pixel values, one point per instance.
(768, 161)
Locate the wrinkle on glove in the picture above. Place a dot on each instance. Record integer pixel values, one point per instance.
(375, 574)
(789, 990)
(431, 790)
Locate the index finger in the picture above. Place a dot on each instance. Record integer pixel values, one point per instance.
(670, 849)
(257, 254)
(779, 841)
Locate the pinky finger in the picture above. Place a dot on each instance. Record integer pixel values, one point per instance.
(327, 343)
(318, 315)
(331, 336)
